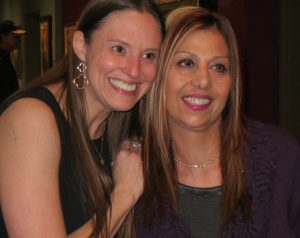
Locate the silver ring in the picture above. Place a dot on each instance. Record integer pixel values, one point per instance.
(134, 145)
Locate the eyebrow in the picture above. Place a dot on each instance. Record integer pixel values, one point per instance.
(125, 43)
(221, 57)
(118, 41)
(190, 53)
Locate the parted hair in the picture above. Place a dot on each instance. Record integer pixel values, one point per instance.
(93, 178)
(159, 166)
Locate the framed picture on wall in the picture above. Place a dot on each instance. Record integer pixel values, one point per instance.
(168, 5)
(68, 35)
(46, 42)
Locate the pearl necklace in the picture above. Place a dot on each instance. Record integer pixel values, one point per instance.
(199, 166)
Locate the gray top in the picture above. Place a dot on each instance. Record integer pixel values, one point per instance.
(272, 165)
(200, 209)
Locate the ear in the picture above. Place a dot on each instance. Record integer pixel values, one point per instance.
(79, 45)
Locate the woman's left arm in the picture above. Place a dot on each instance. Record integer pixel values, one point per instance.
(129, 184)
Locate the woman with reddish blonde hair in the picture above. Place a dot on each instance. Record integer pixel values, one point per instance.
(209, 172)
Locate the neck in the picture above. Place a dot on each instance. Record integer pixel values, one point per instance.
(96, 115)
(196, 148)
(97, 125)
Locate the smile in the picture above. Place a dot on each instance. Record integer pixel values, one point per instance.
(122, 85)
(197, 101)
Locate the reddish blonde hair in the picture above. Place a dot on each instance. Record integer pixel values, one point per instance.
(159, 167)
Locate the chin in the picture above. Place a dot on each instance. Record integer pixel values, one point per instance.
(122, 108)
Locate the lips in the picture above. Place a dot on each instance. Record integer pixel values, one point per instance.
(124, 86)
(197, 102)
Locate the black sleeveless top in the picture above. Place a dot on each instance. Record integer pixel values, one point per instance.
(71, 194)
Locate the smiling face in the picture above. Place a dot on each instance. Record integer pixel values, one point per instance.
(198, 81)
(121, 59)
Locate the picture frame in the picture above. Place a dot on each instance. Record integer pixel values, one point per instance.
(167, 5)
(69, 30)
(46, 42)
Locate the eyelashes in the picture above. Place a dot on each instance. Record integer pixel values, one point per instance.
(118, 49)
(151, 56)
(221, 68)
(191, 64)
(186, 63)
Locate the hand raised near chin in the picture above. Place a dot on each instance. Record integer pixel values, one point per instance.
(128, 170)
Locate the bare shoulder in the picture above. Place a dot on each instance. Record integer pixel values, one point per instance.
(29, 168)
(27, 109)
(28, 125)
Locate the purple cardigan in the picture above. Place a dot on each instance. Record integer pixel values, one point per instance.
(273, 179)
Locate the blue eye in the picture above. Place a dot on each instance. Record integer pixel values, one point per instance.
(119, 49)
(186, 63)
(221, 68)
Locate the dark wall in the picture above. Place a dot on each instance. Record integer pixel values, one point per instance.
(72, 9)
(263, 56)
(289, 66)
(256, 24)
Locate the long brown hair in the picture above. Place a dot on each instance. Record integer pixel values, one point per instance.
(93, 179)
(159, 167)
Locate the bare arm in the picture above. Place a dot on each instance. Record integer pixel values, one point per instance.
(29, 160)
(129, 181)
(29, 165)
(129, 184)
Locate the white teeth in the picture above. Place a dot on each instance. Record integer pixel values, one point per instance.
(196, 101)
(122, 85)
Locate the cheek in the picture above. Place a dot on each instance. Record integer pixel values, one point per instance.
(176, 84)
(224, 90)
(171, 89)
(105, 67)
(96, 57)
(228, 87)
(223, 84)
(108, 63)
(150, 72)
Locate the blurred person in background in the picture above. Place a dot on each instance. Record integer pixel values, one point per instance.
(10, 35)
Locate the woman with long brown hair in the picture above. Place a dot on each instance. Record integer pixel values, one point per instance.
(54, 153)
(208, 171)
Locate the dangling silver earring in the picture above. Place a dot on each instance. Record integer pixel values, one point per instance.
(81, 80)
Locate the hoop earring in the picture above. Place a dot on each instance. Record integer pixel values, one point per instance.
(81, 80)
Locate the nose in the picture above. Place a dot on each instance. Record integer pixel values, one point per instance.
(201, 79)
(133, 67)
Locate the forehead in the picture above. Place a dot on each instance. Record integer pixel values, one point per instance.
(206, 39)
(130, 20)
